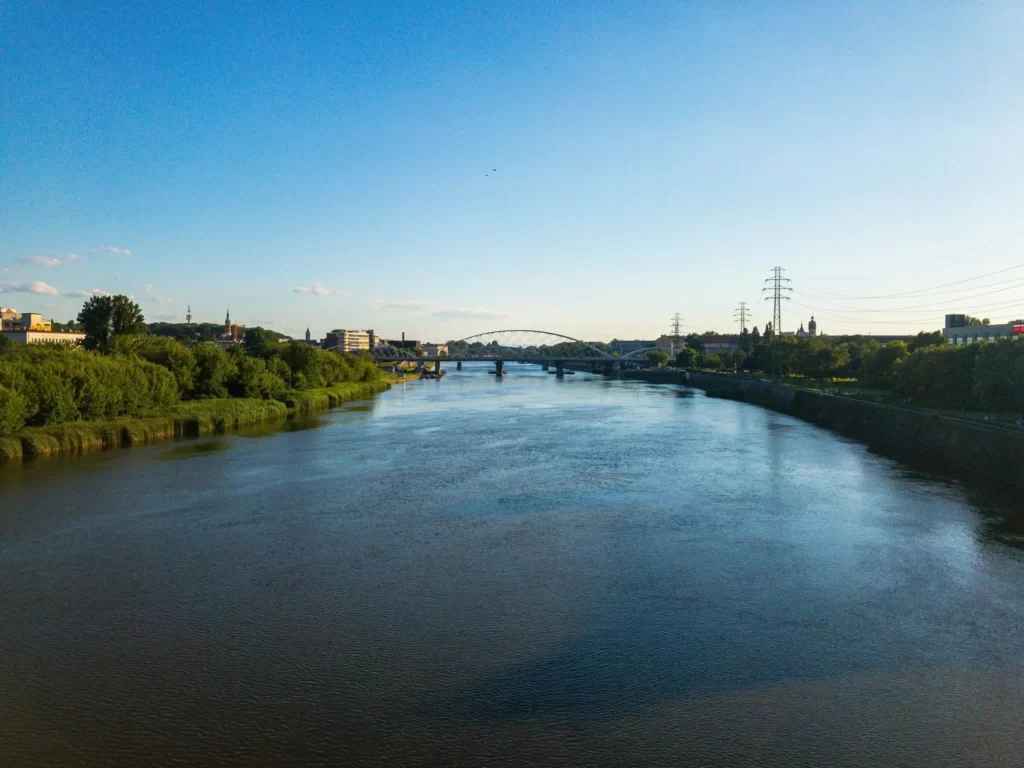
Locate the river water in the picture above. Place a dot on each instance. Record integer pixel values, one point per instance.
(510, 572)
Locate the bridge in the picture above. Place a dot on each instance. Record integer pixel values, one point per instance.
(543, 348)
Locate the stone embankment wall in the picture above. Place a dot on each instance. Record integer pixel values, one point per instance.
(955, 445)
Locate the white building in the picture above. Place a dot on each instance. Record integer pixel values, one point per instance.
(342, 340)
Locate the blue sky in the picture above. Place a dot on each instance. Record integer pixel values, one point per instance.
(332, 165)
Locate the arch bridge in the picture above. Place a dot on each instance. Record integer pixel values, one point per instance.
(544, 348)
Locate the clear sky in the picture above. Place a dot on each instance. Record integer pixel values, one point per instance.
(448, 168)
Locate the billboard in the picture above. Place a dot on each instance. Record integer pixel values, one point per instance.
(1018, 330)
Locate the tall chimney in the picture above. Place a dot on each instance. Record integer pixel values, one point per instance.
(403, 337)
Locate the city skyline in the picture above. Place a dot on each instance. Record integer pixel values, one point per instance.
(575, 170)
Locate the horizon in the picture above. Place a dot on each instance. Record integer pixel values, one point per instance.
(457, 171)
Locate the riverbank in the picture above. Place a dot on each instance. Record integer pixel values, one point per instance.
(957, 446)
(192, 418)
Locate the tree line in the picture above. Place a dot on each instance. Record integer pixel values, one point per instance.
(125, 371)
(984, 376)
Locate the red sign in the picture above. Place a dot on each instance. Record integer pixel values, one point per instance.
(1018, 330)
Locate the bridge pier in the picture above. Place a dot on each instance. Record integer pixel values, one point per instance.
(545, 366)
(498, 368)
(560, 369)
(458, 366)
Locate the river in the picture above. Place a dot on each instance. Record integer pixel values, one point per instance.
(507, 572)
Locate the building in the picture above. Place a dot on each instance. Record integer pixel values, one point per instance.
(671, 343)
(624, 347)
(957, 331)
(342, 340)
(233, 332)
(11, 320)
(812, 329)
(717, 344)
(45, 337)
(404, 343)
(436, 350)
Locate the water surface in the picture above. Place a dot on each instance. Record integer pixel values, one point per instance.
(524, 571)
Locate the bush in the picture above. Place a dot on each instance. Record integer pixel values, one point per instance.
(13, 411)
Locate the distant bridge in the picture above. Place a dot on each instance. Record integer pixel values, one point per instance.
(520, 345)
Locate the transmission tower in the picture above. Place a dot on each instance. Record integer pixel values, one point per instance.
(677, 324)
(776, 287)
(741, 315)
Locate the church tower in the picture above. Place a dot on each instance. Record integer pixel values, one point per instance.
(307, 335)
(227, 322)
(812, 327)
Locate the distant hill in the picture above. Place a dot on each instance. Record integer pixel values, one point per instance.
(201, 331)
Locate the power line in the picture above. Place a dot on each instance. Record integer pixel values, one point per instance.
(914, 294)
(741, 315)
(946, 302)
(777, 284)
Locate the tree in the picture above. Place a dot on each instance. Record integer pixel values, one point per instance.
(693, 342)
(657, 357)
(686, 358)
(104, 318)
(755, 337)
(213, 367)
(712, 361)
(927, 339)
(769, 334)
(737, 359)
(260, 341)
(974, 321)
(745, 340)
(878, 366)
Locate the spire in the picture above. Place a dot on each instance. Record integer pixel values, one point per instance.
(227, 319)
(307, 334)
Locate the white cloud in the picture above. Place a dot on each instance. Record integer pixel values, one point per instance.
(445, 313)
(50, 260)
(40, 261)
(148, 287)
(35, 286)
(114, 249)
(416, 306)
(87, 294)
(475, 312)
(319, 289)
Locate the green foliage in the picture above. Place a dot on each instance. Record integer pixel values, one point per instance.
(878, 366)
(745, 340)
(172, 355)
(999, 376)
(926, 339)
(657, 357)
(213, 369)
(13, 411)
(49, 385)
(59, 385)
(252, 379)
(262, 342)
(940, 376)
(712, 361)
(737, 359)
(755, 338)
(686, 358)
(977, 321)
(104, 318)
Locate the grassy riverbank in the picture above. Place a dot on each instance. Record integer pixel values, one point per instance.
(187, 419)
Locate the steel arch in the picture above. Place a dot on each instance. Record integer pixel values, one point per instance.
(531, 350)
